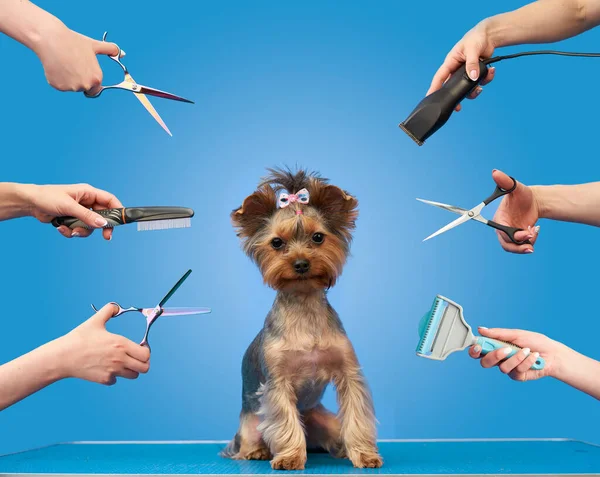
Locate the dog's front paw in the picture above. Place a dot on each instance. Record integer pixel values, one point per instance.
(289, 461)
(258, 454)
(361, 460)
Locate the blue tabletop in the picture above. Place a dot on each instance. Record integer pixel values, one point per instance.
(488, 457)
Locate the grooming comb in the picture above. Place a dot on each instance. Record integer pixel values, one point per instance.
(147, 218)
(443, 331)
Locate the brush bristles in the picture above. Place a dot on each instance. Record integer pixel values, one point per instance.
(164, 224)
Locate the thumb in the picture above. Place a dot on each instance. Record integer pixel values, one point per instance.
(106, 313)
(500, 334)
(84, 214)
(503, 180)
(472, 57)
(106, 48)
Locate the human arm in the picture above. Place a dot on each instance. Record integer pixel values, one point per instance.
(69, 58)
(49, 201)
(88, 352)
(561, 362)
(543, 21)
(523, 207)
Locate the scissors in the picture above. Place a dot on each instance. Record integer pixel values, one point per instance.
(475, 214)
(152, 314)
(139, 90)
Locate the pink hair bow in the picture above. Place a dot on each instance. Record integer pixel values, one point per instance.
(285, 198)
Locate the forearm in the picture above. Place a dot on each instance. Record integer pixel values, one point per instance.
(579, 372)
(29, 373)
(25, 22)
(15, 200)
(543, 21)
(569, 203)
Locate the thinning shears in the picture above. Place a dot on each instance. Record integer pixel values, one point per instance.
(139, 90)
(475, 214)
(152, 314)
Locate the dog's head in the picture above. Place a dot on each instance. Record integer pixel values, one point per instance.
(297, 228)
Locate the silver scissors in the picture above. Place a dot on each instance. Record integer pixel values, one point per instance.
(152, 314)
(475, 214)
(139, 90)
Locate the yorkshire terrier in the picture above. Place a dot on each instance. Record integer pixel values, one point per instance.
(297, 228)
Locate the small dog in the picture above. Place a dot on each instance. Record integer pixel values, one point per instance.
(297, 228)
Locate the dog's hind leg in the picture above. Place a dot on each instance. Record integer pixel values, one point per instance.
(248, 443)
(323, 431)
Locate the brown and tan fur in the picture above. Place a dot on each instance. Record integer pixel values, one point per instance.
(303, 346)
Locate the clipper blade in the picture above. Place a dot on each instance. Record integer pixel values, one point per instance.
(443, 330)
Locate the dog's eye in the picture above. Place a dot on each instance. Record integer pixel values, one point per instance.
(318, 237)
(276, 243)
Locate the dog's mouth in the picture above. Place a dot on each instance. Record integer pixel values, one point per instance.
(311, 281)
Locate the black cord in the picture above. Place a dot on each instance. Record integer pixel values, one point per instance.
(495, 59)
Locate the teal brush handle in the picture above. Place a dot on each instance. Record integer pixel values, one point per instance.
(488, 345)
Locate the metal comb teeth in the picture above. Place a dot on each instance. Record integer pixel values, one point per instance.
(164, 224)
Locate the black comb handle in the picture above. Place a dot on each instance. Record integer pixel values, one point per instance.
(113, 218)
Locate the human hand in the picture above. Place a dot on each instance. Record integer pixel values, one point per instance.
(50, 201)
(69, 58)
(92, 353)
(518, 366)
(474, 45)
(518, 209)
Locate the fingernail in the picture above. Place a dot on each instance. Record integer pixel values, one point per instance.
(526, 351)
(479, 89)
(75, 234)
(536, 355)
(494, 170)
(477, 348)
(506, 350)
(473, 75)
(536, 229)
(529, 250)
(482, 328)
(101, 222)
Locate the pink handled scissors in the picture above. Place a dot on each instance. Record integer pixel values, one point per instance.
(152, 314)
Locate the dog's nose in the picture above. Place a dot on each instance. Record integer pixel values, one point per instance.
(301, 266)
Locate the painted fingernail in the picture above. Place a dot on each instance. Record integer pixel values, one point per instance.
(473, 75)
(100, 222)
(506, 350)
(75, 234)
(529, 250)
(526, 351)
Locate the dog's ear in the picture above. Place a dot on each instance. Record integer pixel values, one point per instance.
(338, 207)
(254, 212)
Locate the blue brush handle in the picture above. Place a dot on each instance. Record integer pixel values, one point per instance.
(488, 345)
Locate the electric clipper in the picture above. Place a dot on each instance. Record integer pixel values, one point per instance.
(435, 110)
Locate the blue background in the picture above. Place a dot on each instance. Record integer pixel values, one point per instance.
(324, 86)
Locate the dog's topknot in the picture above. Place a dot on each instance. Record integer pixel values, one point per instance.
(285, 179)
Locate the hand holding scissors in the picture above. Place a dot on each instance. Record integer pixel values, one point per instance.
(152, 314)
(140, 91)
(508, 238)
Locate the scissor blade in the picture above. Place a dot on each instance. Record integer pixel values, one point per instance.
(162, 94)
(185, 311)
(146, 103)
(451, 208)
(174, 289)
(451, 225)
